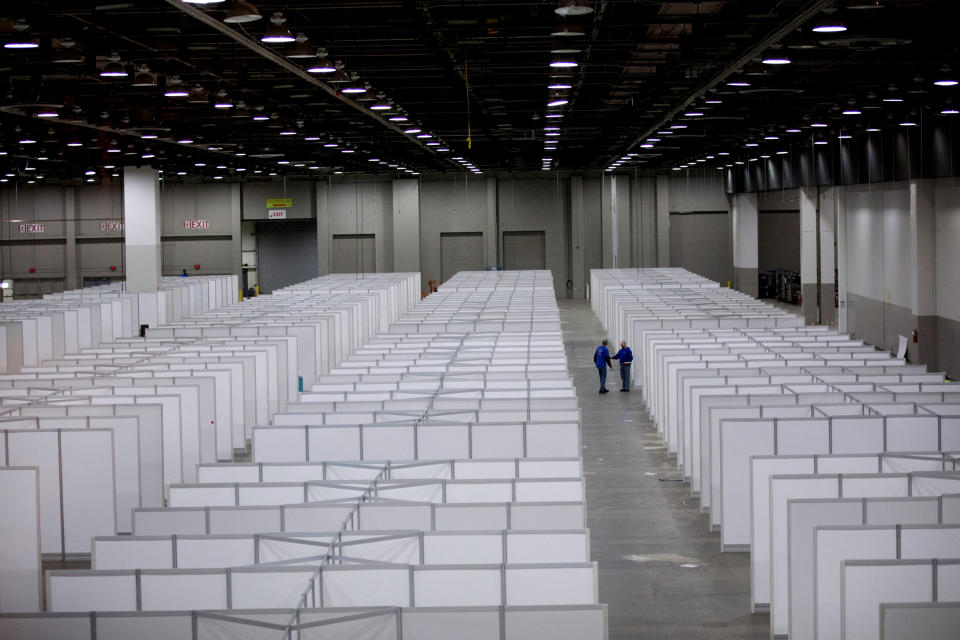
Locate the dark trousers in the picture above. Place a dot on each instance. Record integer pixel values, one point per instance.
(625, 376)
(603, 377)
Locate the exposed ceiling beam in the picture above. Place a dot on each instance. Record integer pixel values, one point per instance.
(294, 69)
(808, 11)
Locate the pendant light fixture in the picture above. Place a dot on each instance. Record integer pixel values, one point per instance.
(277, 32)
(143, 77)
(829, 25)
(240, 12)
(21, 39)
(222, 101)
(563, 62)
(198, 95)
(175, 88)
(113, 68)
(302, 50)
(322, 64)
(67, 51)
(573, 8)
(564, 30)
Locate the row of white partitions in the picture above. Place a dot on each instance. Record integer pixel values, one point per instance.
(412, 470)
(836, 465)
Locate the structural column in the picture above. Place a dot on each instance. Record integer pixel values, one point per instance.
(923, 303)
(323, 227)
(577, 262)
(608, 221)
(663, 221)
(491, 225)
(70, 233)
(141, 220)
(817, 212)
(406, 225)
(236, 234)
(745, 243)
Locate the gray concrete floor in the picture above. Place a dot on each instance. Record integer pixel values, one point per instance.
(644, 524)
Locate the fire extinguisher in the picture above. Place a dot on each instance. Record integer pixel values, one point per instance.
(914, 336)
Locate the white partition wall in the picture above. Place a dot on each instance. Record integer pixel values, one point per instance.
(415, 467)
(19, 539)
(781, 428)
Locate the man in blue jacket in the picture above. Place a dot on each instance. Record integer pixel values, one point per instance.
(601, 359)
(625, 356)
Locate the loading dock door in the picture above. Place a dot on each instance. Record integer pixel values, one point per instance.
(524, 250)
(460, 252)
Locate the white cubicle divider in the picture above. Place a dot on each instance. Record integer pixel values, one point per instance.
(566, 622)
(399, 547)
(762, 412)
(835, 545)
(340, 585)
(433, 445)
(901, 620)
(76, 483)
(867, 584)
(20, 588)
(792, 608)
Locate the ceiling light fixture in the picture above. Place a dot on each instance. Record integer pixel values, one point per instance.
(852, 112)
(302, 50)
(946, 83)
(829, 25)
(565, 30)
(693, 114)
(559, 86)
(222, 101)
(563, 62)
(738, 83)
(143, 77)
(175, 89)
(775, 60)
(113, 68)
(203, 1)
(45, 113)
(893, 99)
(559, 102)
(277, 32)
(573, 8)
(322, 64)
(949, 112)
(908, 123)
(21, 40)
(554, 115)
(240, 12)
(398, 118)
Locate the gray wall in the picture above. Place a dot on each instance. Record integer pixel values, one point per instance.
(286, 253)
(778, 240)
(700, 242)
(406, 218)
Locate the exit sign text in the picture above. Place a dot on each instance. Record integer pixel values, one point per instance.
(195, 225)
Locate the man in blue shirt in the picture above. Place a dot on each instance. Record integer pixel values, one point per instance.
(601, 359)
(625, 356)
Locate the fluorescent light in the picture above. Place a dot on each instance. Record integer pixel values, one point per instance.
(713, 101)
(47, 114)
(771, 138)
(559, 86)
(794, 131)
(873, 130)
(751, 144)
(288, 132)
(738, 83)
(74, 144)
(413, 130)
(21, 43)
(782, 153)
(844, 137)
(693, 114)
(380, 107)
(646, 145)
(148, 136)
(776, 60)
(424, 136)
(28, 141)
(222, 105)
(354, 89)
(830, 25)
(321, 67)
(852, 112)
(557, 103)
(261, 118)
(185, 141)
(678, 126)
(176, 93)
(893, 99)
(949, 112)
(551, 133)
(946, 83)
(819, 142)
(398, 118)
(908, 123)
(818, 125)
(330, 145)
(347, 151)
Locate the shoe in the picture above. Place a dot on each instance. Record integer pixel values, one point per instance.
(604, 390)
(627, 390)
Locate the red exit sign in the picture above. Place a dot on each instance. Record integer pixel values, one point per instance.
(111, 226)
(195, 225)
(31, 228)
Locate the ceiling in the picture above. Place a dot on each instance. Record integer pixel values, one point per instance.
(473, 76)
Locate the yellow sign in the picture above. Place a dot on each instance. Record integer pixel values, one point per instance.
(279, 203)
